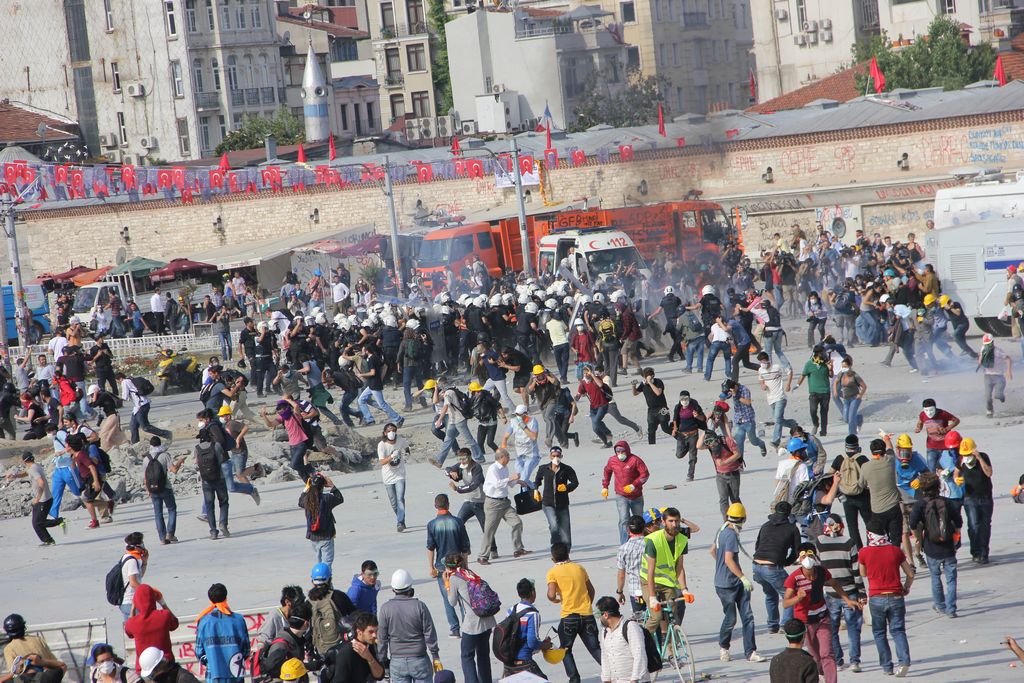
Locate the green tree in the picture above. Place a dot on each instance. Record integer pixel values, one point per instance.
(283, 125)
(940, 58)
(437, 18)
(635, 104)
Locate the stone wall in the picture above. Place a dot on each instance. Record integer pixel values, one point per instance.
(890, 200)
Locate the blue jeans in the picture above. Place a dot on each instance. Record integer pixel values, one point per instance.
(457, 428)
(851, 414)
(63, 477)
(396, 496)
(933, 458)
(773, 347)
(126, 610)
(979, 524)
(378, 398)
(297, 457)
(526, 464)
(410, 374)
(716, 348)
(140, 420)
(323, 551)
(225, 345)
(411, 670)
(597, 424)
(449, 611)
(736, 600)
(772, 580)
(476, 657)
(854, 622)
(945, 600)
(744, 431)
(626, 508)
(161, 500)
(227, 469)
(561, 360)
(84, 407)
(889, 611)
(695, 351)
(780, 419)
(559, 526)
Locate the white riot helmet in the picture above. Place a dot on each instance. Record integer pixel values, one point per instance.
(413, 324)
(531, 307)
(377, 307)
(599, 297)
(495, 300)
(391, 321)
(618, 295)
(321, 318)
(585, 299)
(446, 297)
(308, 320)
(353, 320)
(568, 301)
(480, 301)
(507, 298)
(446, 310)
(707, 289)
(464, 300)
(523, 298)
(550, 304)
(670, 290)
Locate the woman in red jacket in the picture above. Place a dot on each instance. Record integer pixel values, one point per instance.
(149, 626)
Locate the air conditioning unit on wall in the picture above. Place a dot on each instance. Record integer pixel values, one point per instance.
(799, 39)
(469, 127)
(148, 142)
(135, 90)
(826, 24)
(810, 26)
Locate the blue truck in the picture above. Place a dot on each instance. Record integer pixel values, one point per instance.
(35, 300)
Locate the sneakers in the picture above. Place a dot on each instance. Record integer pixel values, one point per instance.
(902, 670)
(913, 371)
(214, 536)
(202, 518)
(855, 667)
(400, 528)
(723, 654)
(521, 552)
(455, 634)
(576, 439)
(63, 524)
(640, 432)
(44, 544)
(754, 657)
(170, 538)
(224, 532)
(764, 451)
(164, 541)
(94, 524)
(483, 560)
(255, 496)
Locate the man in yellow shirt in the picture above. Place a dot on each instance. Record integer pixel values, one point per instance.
(29, 655)
(569, 585)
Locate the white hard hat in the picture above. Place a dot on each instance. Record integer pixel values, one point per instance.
(707, 289)
(401, 580)
(531, 307)
(523, 298)
(507, 298)
(550, 303)
(149, 660)
(495, 300)
(670, 290)
(599, 297)
(568, 301)
(391, 321)
(413, 324)
(480, 301)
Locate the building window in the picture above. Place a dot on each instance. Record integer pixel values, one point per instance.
(344, 50)
(232, 73)
(414, 13)
(417, 57)
(197, 75)
(184, 145)
(662, 55)
(421, 104)
(393, 61)
(121, 129)
(743, 15)
(172, 22)
(225, 16)
(397, 107)
(716, 55)
(209, 13)
(264, 71)
(115, 76)
(668, 9)
(657, 10)
(370, 122)
(801, 12)
(257, 14)
(949, 6)
(190, 16)
(627, 12)
(250, 71)
(343, 109)
(236, 121)
(223, 125)
(728, 51)
(177, 80)
(679, 99)
(387, 18)
(204, 132)
(215, 65)
(240, 14)
(698, 54)
(632, 58)
(675, 54)
(108, 14)
(355, 118)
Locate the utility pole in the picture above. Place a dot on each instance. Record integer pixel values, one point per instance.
(7, 204)
(393, 215)
(523, 237)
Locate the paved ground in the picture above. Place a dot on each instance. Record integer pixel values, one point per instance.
(268, 549)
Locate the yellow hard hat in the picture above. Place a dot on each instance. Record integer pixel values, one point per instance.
(929, 299)
(292, 670)
(736, 513)
(904, 441)
(554, 655)
(538, 369)
(475, 386)
(224, 410)
(429, 384)
(944, 300)
(967, 446)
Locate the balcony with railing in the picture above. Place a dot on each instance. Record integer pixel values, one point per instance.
(237, 98)
(252, 96)
(395, 80)
(395, 31)
(695, 20)
(207, 100)
(267, 95)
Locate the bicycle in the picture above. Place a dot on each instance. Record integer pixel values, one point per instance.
(674, 647)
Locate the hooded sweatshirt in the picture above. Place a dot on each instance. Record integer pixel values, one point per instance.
(778, 541)
(631, 471)
(150, 626)
(364, 597)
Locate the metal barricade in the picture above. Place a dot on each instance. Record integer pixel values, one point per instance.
(70, 642)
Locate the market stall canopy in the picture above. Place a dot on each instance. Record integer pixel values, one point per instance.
(181, 268)
(138, 266)
(66, 276)
(90, 276)
(345, 249)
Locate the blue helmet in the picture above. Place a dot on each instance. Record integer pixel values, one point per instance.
(796, 444)
(321, 572)
(651, 515)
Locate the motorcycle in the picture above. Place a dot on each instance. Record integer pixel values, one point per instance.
(178, 371)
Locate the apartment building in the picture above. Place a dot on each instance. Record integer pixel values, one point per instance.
(402, 52)
(798, 42)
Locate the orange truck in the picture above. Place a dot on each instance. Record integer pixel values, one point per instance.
(496, 242)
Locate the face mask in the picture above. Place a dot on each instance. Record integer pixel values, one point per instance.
(808, 563)
(765, 365)
(684, 402)
(392, 435)
(556, 461)
(621, 456)
(106, 668)
(969, 460)
(201, 424)
(464, 465)
(929, 412)
(223, 420)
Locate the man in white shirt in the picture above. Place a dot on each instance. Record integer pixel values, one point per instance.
(57, 344)
(140, 410)
(776, 381)
(497, 507)
(339, 293)
(158, 305)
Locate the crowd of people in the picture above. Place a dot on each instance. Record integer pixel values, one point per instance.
(499, 351)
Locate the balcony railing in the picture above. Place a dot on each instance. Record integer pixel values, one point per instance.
(542, 30)
(695, 20)
(394, 81)
(252, 96)
(237, 98)
(392, 31)
(207, 100)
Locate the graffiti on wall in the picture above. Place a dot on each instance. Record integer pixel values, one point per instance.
(896, 217)
(993, 145)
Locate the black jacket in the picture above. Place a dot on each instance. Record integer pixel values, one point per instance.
(778, 541)
(325, 525)
(550, 496)
(285, 645)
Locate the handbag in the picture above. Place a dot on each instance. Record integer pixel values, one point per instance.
(525, 503)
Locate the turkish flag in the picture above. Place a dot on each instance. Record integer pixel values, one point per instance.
(578, 156)
(424, 173)
(680, 142)
(876, 75)
(216, 179)
(128, 177)
(661, 121)
(1000, 74)
(625, 152)
(164, 179)
(475, 168)
(526, 164)
(178, 176)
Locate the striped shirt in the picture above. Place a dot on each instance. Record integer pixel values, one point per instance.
(838, 554)
(630, 555)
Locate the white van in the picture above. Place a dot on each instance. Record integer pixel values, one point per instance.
(599, 251)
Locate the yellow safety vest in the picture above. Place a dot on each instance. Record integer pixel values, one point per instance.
(665, 560)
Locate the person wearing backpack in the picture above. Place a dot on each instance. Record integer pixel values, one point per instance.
(941, 522)
(289, 643)
(454, 406)
(140, 409)
(609, 339)
(623, 650)
(157, 469)
(209, 457)
(462, 586)
(517, 637)
(856, 497)
(133, 565)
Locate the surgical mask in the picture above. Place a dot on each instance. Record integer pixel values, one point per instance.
(223, 420)
(808, 563)
(391, 436)
(106, 668)
(969, 460)
(845, 368)
(201, 424)
(765, 364)
(464, 465)
(621, 456)
(930, 411)
(684, 402)
(556, 461)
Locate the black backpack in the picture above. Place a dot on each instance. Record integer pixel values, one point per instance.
(465, 410)
(505, 641)
(143, 387)
(937, 524)
(206, 392)
(654, 662)
(155, 476)
(208, 463)
(115, 583)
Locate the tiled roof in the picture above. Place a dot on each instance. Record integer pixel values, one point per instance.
(18, 124)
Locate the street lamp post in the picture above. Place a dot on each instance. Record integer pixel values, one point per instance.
(7, 209)
(393, 216)
(520, 200)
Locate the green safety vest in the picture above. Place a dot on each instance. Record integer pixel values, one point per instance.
(665, 566)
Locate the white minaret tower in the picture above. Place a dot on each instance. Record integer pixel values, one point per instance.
(314, 99)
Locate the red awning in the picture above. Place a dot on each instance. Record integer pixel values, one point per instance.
(90, 276)
(182, 268)
(67, 275)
